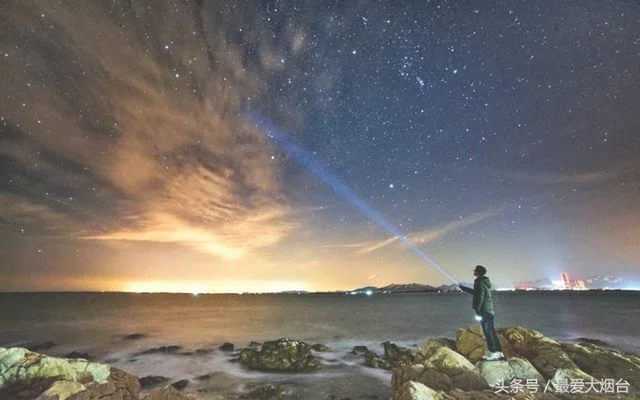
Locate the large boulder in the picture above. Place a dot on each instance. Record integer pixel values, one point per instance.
(537, 368)
(150, 381)
(417, 391)
(373, 360)
(425, 352)
(119, 386)
(51, 378)
(440, 368)
(61, 390)
(546, 355)
(605, 364)
(394, 356)
(280, 355)
(561, 380)
(18, 364)
(472, 344)
(506, 371)
(397, 356)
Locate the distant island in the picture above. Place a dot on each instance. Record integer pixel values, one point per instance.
(405, 288)
(595, 282)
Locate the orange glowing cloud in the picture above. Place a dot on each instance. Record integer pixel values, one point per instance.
(152, 138)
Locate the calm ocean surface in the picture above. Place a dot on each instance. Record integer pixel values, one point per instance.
(95, 323)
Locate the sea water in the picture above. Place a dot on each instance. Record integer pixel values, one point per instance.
(96, 323)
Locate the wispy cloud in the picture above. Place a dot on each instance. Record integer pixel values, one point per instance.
(373, 246)
(148, 145)
(550, 179)
(577, 179)
(432, 234)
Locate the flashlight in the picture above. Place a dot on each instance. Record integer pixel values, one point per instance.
(478, 318)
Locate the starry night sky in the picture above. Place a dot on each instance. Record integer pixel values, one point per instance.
(505, 134)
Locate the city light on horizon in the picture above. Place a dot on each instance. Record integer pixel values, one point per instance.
(212, 287)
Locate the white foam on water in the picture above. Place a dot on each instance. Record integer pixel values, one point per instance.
(181, 366)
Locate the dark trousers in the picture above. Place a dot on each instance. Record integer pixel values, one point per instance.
(493, 343)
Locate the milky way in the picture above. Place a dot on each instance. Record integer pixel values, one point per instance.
(504, 134)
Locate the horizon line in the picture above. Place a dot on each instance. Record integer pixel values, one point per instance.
(511, 289)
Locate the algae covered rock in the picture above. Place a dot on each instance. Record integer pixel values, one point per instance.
(546, 354)
(471, 343)
(284, 355)
(394, 356)
(417, 391)
(440, 368)
(18, 365)
(62, 390)
(397, 356)
(372, 360)
(504, 372)
(605, 364)
(541, 367)
(28, 375)
(264, 392)
(120, 386)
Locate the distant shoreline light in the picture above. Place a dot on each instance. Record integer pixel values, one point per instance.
(197, 288)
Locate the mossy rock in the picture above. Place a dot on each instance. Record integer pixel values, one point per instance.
(283, 355)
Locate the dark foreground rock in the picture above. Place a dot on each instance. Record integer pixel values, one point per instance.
(26, 375)
(397, 356)
(597, 342)
(266, 392)
(394, 356)
(284, 355)
(359, 349)
(161, 349)
(319, 347)
(227, 347)
(150, 381)
(373, 360)
(77, 354)
(181, 384)
(134, 336)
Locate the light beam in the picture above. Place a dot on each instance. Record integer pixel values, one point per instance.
(307, 160)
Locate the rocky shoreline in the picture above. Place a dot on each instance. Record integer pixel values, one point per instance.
(537, 367)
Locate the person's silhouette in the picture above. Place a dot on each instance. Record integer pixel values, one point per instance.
(483, 306)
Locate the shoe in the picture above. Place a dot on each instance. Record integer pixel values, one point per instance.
(493, 356)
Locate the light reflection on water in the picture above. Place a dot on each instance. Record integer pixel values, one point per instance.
(96, 323)
(84, 318)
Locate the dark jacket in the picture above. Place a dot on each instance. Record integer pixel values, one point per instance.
(482, 301)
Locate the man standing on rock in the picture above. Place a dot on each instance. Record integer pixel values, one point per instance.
(483, 306)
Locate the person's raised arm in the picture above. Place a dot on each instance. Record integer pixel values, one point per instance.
(465, 289)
